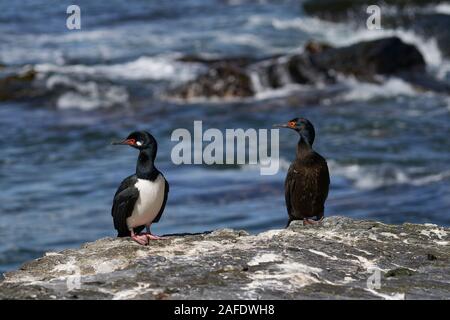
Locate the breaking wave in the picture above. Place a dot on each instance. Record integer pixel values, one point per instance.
(86, 95)
(376, 176)
(341, 34)
(363, 91)
(369, 177)
(143, 68)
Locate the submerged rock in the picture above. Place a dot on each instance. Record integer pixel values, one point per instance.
(342, 258)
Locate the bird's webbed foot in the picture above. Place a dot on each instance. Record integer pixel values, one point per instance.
(142, 239)
(151, 236)
(307, 221)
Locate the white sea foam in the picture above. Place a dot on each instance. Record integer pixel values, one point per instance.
(87, 95)
(389, 88)
(264, 94)
(443, 8)
(367, 177)
(375, 176)
(143, 68)
(309, 25)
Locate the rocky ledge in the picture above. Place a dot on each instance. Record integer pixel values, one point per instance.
(342, 258)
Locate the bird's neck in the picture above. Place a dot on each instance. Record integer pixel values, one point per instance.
(304, 147)
(145, 168)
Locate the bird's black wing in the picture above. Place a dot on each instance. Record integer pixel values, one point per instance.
(123, 204)
(289, 185)
(166, 192)
(323, 182)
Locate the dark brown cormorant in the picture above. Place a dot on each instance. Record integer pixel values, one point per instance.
(141, 198)
(307, 182)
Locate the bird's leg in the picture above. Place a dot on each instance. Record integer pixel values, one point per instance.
(307, 221)
(149, 235)
(139, 238)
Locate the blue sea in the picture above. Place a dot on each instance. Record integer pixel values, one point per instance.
(387, 144)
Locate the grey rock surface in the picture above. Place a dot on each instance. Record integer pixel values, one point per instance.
(334, 260)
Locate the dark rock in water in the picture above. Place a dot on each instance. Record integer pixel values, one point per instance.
(364, 60)
(242, 61)
(26, 83)
(318, 64)
(313, 47)
(408, 14)
(17, 85)
(224, 80)
(338, 259)
(428, 25)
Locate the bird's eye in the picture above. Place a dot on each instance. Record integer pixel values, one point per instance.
(292, 124)
(138, 143)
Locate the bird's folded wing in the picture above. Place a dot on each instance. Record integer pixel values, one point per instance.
(289, 189)
(324, 181)
(123, 206)
(166, 192)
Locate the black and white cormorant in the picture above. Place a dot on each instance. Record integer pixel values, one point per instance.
(140, 199)
(308, 180)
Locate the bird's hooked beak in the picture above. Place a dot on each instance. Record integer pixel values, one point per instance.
(289, 125)
(126, 142)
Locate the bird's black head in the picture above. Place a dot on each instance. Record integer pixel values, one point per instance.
(140, 140)
(303, 126)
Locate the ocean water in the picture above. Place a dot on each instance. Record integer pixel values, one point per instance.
(387, 144)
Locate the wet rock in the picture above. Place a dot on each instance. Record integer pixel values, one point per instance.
(66, 91)
(224, 80)
(16, 85)
(318, 64)
(428, 25)
(333, 260)
(366, 59)
(241, 61)
(415, 15)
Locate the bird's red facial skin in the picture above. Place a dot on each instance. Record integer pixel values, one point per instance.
(291, 124)
(131, 142)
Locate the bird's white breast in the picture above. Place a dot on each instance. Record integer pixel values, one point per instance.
(147, 206)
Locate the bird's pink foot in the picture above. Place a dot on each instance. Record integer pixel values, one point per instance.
(142, 239)
(312, 222)
(152, 236)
